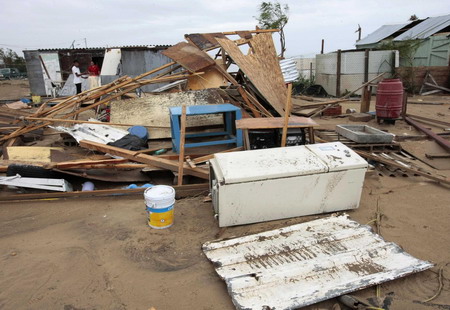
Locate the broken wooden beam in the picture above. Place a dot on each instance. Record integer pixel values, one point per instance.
(144, 158)
(402, 167)
(180, 192)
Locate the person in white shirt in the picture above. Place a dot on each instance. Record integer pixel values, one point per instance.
(77, 76)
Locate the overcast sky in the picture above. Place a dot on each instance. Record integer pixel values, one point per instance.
(56, 23)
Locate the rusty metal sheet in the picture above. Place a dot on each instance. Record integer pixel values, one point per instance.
(204, 40)
(189, 56)
(303, 264)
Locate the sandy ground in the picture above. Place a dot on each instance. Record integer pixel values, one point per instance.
(85, 254)
(99, 253)
(14, 89)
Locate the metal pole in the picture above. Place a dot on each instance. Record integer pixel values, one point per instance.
(323, 43)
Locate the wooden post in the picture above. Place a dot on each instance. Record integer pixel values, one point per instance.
(366, 65)
(365, 99)
(405, 103)
(323, 43)
(287, 113)
(338, 74)
(182, 140)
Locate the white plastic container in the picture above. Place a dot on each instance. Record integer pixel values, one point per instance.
(160, 202)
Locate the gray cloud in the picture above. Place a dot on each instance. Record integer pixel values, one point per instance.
(51, 23)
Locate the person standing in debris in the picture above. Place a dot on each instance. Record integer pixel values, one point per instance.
(77, 76)
(94, 75)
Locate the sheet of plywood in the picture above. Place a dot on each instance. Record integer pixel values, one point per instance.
(212, 78)
(189, 56)
(153, 110)
(261, 67)
(30, 153)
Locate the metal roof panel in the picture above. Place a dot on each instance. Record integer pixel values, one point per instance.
(303, 264)
(426, 28)
(381, 33)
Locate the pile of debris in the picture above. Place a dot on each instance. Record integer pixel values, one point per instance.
(110, 135)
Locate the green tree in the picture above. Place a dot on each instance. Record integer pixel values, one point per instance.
(11, 59)
(274, 15)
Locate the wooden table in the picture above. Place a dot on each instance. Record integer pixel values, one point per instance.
(275, 123)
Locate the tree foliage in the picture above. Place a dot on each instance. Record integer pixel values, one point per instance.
(407, 51)
(274, 15)
(413, 17)
(11, 59)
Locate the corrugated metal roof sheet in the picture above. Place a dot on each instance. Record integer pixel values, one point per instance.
(102, 47)
(289, 70)
(381, 33)
(425, 29)
(299, 265)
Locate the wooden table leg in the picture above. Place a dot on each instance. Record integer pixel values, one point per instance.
(246, 140)
(311, 135)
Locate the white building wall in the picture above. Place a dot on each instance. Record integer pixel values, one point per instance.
(352, 69)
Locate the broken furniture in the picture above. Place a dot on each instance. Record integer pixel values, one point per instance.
(230, 113)
(300, 265)
(430, 82)
(270, 184)
(252, 124)
(59, 185)
(364, 134)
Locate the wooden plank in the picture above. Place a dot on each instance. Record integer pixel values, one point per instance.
(182, 140)
(207, 41)
(275, 122)
(261, 67)
(441, 141)
(205, 158)
(55, 120)
(286, 115)
(190, 162)
(84, 163)
(396, 165)
(437, 87)
(189, 56)
(144, 158)
(365, 100)
(440, 155)
(180, 192)
(103, 101)
(430, 120)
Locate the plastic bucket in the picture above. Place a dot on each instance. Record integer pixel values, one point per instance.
(160, 201)
(36, 99)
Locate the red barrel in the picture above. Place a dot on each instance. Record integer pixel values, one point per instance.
(389, 98)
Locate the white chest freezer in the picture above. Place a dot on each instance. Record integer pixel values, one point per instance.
(270, 184)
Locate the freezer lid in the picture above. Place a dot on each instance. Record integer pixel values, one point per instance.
(338, 156)
(265, 164)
